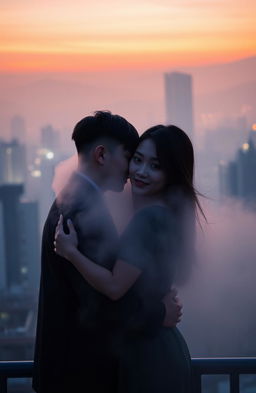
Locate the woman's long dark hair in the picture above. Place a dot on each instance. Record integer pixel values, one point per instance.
(176, 157)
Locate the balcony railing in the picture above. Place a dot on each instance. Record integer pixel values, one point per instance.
(234, 367)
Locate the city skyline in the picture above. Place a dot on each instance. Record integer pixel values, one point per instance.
(61, 61)
(221, 93)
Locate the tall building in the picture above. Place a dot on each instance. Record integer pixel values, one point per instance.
(228, 179)
(10, 198)
(50, 138)
(3, 283)
(179, 101)
(40, 178)
(29, 245)
(18, 128)
(12, 162)
(246, 169)
(19, 240)
(237, 177)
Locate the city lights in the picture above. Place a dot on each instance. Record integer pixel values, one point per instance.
(24, 270)
(245, 146)
(49, 155)
(36, 173)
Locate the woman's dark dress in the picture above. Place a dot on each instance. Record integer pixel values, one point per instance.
(155, 361)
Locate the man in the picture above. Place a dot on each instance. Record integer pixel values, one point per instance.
(78, 329)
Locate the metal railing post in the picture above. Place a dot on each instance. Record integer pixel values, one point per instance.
(3, 384)
(196, 383)
(234, 383)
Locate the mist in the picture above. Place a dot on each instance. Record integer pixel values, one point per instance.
(219, 297)
(221, 91)
(219, 301)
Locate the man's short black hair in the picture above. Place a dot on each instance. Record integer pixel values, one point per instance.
(104, 124)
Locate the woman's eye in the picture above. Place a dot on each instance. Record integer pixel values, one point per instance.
(136, 159)
(155, 166)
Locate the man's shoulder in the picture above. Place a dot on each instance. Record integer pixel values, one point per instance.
(78, 196)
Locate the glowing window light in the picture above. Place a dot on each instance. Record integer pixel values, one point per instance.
(245, 146)
(254, 127)
(36, 173)
(24, 270)
(49, 155)
(4, 315)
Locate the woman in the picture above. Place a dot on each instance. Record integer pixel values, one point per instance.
(152, 255)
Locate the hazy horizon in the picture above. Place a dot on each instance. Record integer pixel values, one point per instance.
(62, 60)
(221, 91)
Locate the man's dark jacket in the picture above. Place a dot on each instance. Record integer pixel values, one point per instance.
(76, 342)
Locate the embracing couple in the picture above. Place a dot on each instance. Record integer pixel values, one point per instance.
(107, 315)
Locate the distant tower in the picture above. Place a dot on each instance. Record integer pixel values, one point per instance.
(238, 179)
(10, 199)
(50, 138)
(29, 244)
(179, 101)
(12, 162)
(3, 278)
(18, 129)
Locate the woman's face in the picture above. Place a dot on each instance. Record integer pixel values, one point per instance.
(146, 176)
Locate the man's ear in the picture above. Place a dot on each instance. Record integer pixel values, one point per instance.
(100, 154)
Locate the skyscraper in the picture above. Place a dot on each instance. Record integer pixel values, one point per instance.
(19, 240)
(18, 128)
(29, 245)
(179, 101)
(238, 180)
(12, 162)
(50, 138)
(10, 198)
(3, 277)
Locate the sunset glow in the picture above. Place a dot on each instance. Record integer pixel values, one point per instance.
(86, 35)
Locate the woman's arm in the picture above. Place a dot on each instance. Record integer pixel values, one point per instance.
(114, 284)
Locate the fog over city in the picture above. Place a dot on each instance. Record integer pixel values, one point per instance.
(190, 63)
(218, 302)
(222, 94)
(37, 114)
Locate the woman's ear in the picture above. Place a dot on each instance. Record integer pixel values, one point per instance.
(100, 154)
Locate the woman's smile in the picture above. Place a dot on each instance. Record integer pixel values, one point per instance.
(139, 183)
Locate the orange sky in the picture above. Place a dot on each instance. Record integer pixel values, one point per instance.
(117, 34)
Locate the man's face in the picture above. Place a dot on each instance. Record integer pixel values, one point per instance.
(117, 168)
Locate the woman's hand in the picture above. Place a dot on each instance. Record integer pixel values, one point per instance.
(65, 244)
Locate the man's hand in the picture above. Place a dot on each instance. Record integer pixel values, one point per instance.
(173, 309)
